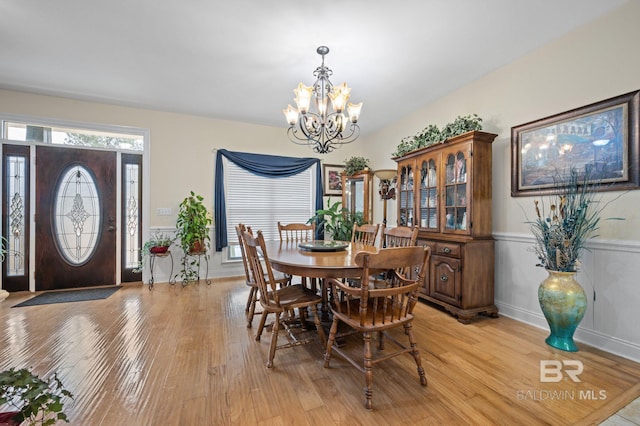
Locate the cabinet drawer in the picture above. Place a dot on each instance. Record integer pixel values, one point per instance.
(427, 243)
(448, 249)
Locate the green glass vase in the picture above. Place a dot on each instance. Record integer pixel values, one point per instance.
(563, 302)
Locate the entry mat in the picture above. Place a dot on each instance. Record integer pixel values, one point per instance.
(65, 296)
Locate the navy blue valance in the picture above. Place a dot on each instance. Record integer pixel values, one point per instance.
(272, 166)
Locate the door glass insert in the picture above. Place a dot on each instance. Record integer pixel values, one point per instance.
(16, 189)
(77, 215)
(131, 189)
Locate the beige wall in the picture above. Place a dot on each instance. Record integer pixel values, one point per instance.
(596, 62)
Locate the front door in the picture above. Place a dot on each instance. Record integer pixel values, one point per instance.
(75, 218)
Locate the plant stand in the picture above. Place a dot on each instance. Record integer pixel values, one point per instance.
(152, 261)
(198, 256)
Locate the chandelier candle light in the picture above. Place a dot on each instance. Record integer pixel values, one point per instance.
(321, 129)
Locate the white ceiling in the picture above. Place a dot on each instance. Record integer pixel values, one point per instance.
(241, 59)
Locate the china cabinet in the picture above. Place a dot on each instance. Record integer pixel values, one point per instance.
(356, 193)
(445, 190)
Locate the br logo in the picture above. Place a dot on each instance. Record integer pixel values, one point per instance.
(552, 370)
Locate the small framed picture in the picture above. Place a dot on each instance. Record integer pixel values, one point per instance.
(332, 179)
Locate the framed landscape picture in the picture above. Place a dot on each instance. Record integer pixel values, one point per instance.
(598, 140)
(332, 180)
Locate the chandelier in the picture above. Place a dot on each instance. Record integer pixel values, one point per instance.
(319, 128)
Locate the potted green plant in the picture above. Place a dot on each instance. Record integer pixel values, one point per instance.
(36, 401)
(193, 233)
(193, 224)
(561, 233)
(158, 243)
(353, 165)
(336, 221)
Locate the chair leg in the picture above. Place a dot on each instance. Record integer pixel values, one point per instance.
(332, 338)
(302, 314)
(274, 340)
(249, 299)
(368, 371)
(416, 354)
(251, 308)
(263, 319)
(316, 320)
(381, 340)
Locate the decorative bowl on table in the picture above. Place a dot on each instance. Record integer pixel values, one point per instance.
(322, 245)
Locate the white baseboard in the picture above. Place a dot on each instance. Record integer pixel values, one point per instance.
(593, 338)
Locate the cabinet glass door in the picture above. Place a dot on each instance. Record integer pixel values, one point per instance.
(406, 204)
(355, 195)
(456, 193)
(428, 195)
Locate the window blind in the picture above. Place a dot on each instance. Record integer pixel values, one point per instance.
(261, 202)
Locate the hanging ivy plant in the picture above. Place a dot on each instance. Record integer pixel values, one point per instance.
(462, 125)
(428, 136)
(431, 135)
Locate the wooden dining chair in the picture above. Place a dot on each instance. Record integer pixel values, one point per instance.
(280, 279)
(296, 232)
(372, 311)
(279, 301)
(365, 234)
(400, 236)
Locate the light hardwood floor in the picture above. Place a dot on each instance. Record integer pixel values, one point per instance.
(183, 356)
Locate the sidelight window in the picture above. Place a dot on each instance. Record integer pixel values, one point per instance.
(16, 179)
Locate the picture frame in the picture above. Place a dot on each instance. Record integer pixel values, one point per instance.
(332, 179)
(600, 139)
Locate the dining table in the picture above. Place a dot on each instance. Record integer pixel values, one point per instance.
(317, 259)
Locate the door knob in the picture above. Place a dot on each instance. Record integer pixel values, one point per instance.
(111, 229)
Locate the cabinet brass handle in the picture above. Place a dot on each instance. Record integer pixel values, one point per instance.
(444, 278)
(446, 250)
